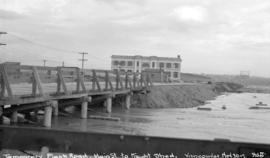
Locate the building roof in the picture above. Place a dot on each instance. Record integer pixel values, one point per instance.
(178, 58)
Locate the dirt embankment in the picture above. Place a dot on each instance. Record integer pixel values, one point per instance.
(181, 96)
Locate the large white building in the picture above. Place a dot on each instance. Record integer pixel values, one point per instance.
(139, 63)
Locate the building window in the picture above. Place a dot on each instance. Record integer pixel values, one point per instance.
(129, 70)
(122, 70)
(129, 63)
(176, 65)
(153, 64)
(175, 74)
(138, 63)
(168, 65)
(122, 63)
(145, 65)
(115, 62)
(161, 65)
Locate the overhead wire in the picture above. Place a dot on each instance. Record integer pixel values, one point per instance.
(48, 47)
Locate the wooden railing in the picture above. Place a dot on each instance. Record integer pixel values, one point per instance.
(24, 81)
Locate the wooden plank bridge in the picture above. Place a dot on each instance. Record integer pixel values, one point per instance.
(27, 88)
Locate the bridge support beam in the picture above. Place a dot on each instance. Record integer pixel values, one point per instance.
(84, 107)
(127, 101)
(14, 117)
(48, 115)
(55, 108)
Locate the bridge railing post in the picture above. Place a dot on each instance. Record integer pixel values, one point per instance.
(60, 81)
(134, 80)
(95, 81)
(126, 80)
(80, 81)
(5, 84)
(38, 81)
(106, 80)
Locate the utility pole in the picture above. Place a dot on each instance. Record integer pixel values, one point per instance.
(1, 33)
(44, 62)
(83, 59)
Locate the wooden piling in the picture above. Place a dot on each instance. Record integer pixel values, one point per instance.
(1, 114)
(127, 101)
(14, 117)
(48, 115)
(109, 104)
(55, 108)
(84, 107)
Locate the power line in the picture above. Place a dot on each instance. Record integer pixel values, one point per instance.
(49, 47)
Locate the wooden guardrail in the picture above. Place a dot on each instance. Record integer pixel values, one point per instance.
(23, 83)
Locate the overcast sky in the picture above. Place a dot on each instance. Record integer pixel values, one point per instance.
(212, 36)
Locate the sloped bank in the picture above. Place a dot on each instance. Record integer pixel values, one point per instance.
(182, 96)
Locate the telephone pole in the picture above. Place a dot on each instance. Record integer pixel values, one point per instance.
(44, 62)
(1, 33)
(83, 59)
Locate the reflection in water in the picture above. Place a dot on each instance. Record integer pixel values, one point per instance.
(237, 122)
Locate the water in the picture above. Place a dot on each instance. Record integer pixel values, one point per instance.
(237, 122)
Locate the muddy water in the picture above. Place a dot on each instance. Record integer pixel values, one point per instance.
(237, 122)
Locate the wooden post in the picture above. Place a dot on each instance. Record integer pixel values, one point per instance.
(48, 115)
(34, 87)
(134, 80)
(95, 81)
(120, 82)
(127, 101)
(78, 80)
(6, 80)
(141, 80)
(84, 107)
(55, 108)
(14, 117)
(1, 115)
(61, 81)
(126, 81)
(108, 104)
(38, 81)
(2, 87)
(117, 80)
(106, 80)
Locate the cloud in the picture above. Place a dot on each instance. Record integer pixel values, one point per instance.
(10, 15)
(218, 32)
(191, 13)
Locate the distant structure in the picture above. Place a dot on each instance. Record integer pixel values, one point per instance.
(137, 63)
(244, 74)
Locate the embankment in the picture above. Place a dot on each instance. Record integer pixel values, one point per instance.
(181, 96)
